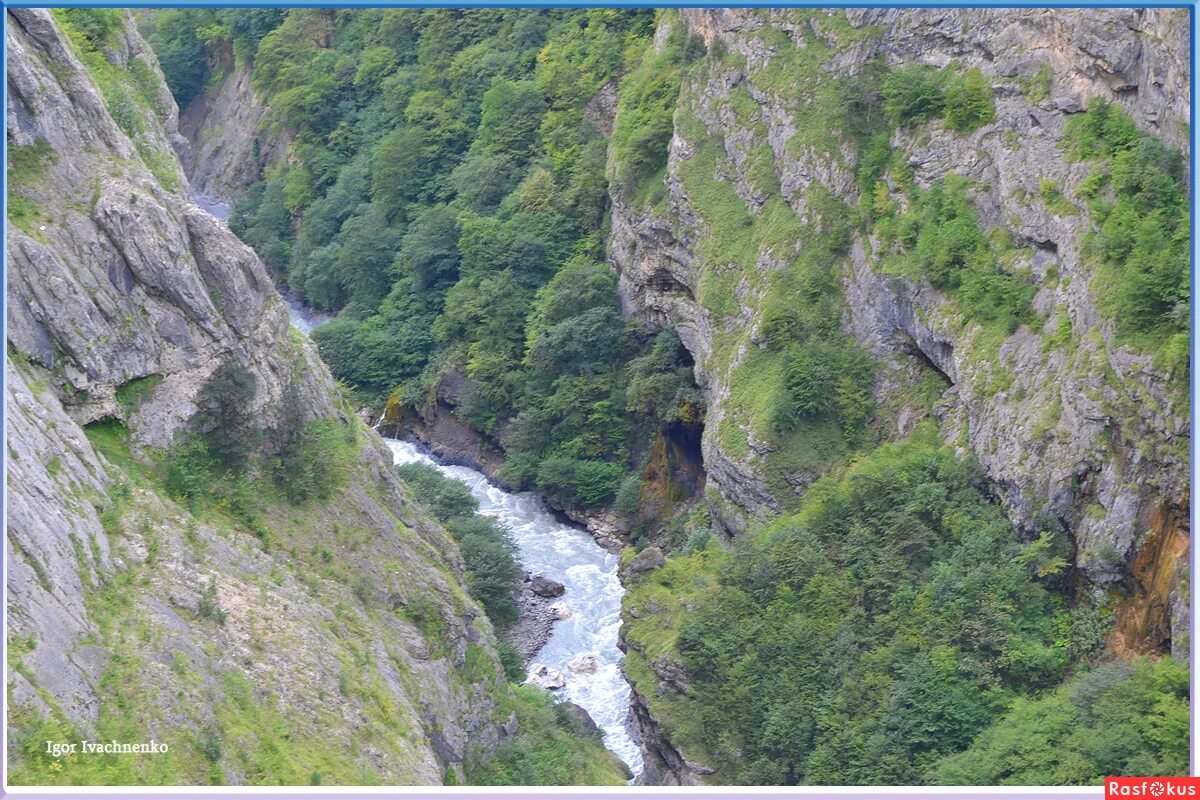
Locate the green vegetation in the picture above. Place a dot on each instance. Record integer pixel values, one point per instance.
(182, 39)
(939, 237)
(130, 92)
(1138, 197)
(252, 736)
(800, 306)
(969, 102)
(444, 179)
(916, 93)
(26, 164)
(131, 395)
(1120, 718)
(1037, 87)
(487, 550)
(221, 461)
(1056, 203)
(648, 97)
(887, 624)
(551, 748)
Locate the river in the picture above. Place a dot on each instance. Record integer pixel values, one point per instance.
(547, 547)
(304, 317)
(569, 555)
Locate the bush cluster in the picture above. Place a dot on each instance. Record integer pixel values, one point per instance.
(487, 548)
(1138, 196)
(886, 625)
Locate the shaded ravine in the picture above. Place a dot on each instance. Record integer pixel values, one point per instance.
(304, 317)
(547, 546)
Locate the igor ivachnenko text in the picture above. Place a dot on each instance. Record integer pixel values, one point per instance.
(60, 749)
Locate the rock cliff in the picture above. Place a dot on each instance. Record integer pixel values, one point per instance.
(227, 128)
(1080, 430)
(332, 643)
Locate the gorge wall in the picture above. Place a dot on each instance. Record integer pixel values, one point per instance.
(1079, 427)
(331, 641)
(1119, 441)
(227, 128)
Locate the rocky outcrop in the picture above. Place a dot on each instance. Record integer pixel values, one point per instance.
(1121, 459)
(534, 625)
(56, 548)
(436, 425)
(1092, 436)
(231, 142)
(350, 620)
(664, 765)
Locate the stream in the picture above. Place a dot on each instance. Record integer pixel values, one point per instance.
(569, 555)
(547, 547)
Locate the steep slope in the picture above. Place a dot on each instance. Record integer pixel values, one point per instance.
(790, 160)
(265, 637)
(227, 127)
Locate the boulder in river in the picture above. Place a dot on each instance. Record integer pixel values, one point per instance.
(544, 587)
(580, 714)
(561, 610)
(584, 663)
(546, 677)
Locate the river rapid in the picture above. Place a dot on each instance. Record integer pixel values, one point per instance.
(547, 547)
(569, 555)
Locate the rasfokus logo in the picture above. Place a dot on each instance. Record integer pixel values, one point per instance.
(1151, 787)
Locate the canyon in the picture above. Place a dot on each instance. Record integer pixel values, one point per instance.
(769, 209)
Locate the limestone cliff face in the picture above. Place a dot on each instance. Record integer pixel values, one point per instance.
(226, 126)
(354, 626)
(1092, 434)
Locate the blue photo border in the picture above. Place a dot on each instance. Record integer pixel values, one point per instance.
(846, 793)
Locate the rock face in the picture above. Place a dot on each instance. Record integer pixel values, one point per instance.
(534, 625)
(1094, 435)
(123, 299)
(230, 141)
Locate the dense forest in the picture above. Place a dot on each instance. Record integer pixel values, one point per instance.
(448, 193)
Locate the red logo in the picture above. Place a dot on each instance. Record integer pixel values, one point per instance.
(1152, 788)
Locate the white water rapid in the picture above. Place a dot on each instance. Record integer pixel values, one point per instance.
(570, 556)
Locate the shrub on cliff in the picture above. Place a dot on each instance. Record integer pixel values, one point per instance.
(1120, 718)
(1138, 195)
(889, 622)
(224, 417)
(486, 546)
(969, 102)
